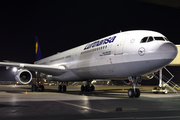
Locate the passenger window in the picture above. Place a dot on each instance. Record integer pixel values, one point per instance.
(144, 40)
(150, 39)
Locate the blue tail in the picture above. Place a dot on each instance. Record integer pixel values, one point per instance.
(37, 50)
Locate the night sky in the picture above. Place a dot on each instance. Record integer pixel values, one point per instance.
(61, 25)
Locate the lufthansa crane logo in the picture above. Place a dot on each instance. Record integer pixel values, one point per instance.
(141, 51)
(36, 47)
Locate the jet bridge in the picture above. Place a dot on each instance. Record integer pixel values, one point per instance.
(166, 83)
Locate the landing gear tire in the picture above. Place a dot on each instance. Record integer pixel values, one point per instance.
(87, 88)
(42, 88)
(64, 88)
(82, 88)
(34, 88)
(92, 88)
(131, 93)
(137, 93)
(60, 88)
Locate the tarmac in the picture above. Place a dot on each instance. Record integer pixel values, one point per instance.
(105, 103)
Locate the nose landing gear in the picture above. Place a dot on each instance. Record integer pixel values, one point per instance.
(134, 92)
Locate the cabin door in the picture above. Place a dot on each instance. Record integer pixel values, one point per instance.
(119, 44)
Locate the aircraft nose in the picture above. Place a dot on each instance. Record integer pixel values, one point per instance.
(168, 51)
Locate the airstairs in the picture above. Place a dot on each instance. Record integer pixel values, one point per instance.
(165, 83)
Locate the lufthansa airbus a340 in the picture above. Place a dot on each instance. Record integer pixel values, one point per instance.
(121, 56)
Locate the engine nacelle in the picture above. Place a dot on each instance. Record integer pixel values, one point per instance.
(23, 76)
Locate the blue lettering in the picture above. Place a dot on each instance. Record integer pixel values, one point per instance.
(106, 41)
(86, 47)
(100, 42)
(112, 39)
(89, 46)
(95, 44)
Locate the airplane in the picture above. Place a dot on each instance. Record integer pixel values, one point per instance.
(124, 55)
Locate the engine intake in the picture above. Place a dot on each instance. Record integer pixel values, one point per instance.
(23, 76)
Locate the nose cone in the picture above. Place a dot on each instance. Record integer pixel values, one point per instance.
(168, 51)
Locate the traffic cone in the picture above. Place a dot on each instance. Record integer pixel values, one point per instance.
(26, 92)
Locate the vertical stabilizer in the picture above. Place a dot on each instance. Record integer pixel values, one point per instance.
(37, 49)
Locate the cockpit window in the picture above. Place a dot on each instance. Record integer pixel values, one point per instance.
(144, 40)
(159, 38)
(166, 39)
(150, 39)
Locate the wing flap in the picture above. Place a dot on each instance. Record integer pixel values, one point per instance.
(47, 69)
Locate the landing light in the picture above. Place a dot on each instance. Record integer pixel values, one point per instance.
(14, 69)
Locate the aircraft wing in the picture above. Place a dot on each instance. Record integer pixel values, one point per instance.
(47, 69)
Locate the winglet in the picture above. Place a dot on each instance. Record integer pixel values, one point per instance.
(37, 50)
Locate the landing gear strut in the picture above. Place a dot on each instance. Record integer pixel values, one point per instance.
(88, 87)
(134, 92)
(38, 85)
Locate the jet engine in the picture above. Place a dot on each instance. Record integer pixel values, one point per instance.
(23, 76)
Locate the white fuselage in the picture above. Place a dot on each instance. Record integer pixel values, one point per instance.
(117, 56)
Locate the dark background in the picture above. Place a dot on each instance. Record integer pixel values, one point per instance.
(61, 25)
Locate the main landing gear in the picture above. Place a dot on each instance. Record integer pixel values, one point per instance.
(134, 92)
(88, 87)
(62, 87)
(38, 84)
(37, 88)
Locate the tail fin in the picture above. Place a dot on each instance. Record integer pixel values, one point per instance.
(37, 50)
